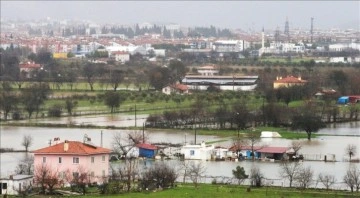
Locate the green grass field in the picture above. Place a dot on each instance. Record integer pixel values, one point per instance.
(231, 191)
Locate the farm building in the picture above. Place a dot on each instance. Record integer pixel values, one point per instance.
(15, 184)
(261, 152)
(199, 152)
(348, 99)
(147, 150)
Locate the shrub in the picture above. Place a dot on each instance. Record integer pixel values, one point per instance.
(55, 111)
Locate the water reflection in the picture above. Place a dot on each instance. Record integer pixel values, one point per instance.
(11, 138)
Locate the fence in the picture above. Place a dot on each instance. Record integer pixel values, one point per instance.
(319, 157)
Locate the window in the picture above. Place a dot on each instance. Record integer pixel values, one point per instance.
(103, 158)
(4, 186)
(75, 160)
(44, 159)
(92, 159)
(103, 173)
(192, 152)
(92, 174)
(60, 160)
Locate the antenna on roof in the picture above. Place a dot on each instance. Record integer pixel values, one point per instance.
(86, 138)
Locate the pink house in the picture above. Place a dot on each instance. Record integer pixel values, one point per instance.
(71, 159)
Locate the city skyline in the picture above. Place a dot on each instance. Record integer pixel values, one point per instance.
(243, 15)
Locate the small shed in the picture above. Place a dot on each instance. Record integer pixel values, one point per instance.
(343, 100)
(270, 134)
(15, 184)
(276, 153)
(198, 152)
(147, 150)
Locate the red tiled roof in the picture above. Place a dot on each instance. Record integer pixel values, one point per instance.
(74, 147)
(273, 150)
(29, 65)
(181, 87)
(120, 52)
(260, 149)
(147, 146)
(290, 79)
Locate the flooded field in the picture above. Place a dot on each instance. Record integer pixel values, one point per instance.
(332, 144)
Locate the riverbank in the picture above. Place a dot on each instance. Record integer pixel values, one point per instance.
(222, 133)
(223, 190)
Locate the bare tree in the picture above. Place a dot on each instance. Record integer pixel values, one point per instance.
(184, 167)
(289, 170)
(159, 175)
(46, 178)
(327, 180)
(304, 178)
(25, 166)
(256, 177)
(352, 178)
(252, 140)
(195, 172)
(80, 179)
(127, 173)
(238, 142)
(124, 143)
(27, 142)
(296, 145)
(350, 150)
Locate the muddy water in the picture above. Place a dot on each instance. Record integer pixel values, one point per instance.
(11, 138)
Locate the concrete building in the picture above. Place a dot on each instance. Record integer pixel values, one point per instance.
(230, 45)
(72, 158)
(234, 83)
(197, 152)
(15, 184)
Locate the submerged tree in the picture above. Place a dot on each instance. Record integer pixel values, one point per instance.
(27, 142)
(308, 121)
(350, 150)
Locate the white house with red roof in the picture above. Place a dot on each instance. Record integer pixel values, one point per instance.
(72, 158)
(28, 67)
(175, 88)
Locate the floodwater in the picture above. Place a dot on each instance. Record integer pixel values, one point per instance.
(119, 120)
(341, 135)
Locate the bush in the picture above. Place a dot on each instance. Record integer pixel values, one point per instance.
(16, 116)
(160, 175)
(55, 111)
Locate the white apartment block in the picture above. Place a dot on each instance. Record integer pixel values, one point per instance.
(230, 45)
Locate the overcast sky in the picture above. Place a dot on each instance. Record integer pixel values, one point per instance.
(226, 14)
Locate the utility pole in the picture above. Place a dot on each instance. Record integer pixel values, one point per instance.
(195, 134)
(101, 139)
(143, 133)
(135, 115)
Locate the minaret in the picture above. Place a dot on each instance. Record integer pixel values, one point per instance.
(262, 49)
(263, 38)
(312, 30)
